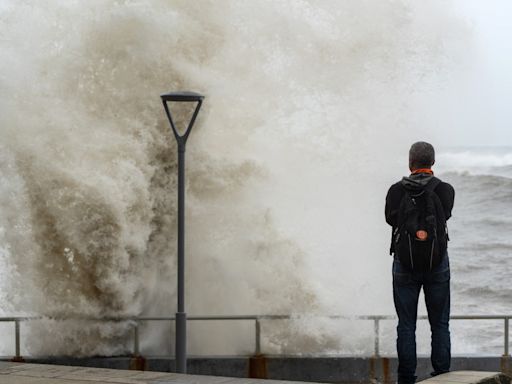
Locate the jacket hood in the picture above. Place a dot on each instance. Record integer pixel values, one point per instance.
(416, 182)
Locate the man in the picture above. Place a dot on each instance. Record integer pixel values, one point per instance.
(417, 208)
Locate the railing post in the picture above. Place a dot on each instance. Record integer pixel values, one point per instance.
(505, 365)
(17, 341)
(137, 362)
(136, 339)
(376, 334)
(258, 335)
(505, 349)
(258, 362)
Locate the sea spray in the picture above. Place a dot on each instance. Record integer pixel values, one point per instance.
(304, 102)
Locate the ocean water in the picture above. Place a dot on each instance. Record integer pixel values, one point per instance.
(310, 109)
(480, 229)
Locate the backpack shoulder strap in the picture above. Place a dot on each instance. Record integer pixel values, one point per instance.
(430, 187)
(432, 184)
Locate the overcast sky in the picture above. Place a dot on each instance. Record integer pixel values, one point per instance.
(483, 101)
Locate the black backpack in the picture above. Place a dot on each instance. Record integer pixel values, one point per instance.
(421, 237)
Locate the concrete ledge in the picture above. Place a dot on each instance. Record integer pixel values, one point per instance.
(469, 377)
(22, 373)
(342, 369)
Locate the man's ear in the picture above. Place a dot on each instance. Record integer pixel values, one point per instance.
(433, 162)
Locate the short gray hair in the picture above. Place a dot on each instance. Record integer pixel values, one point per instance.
(421, 155)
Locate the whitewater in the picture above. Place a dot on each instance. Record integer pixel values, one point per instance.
(310, 109)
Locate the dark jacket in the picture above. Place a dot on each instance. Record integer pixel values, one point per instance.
(444, 190)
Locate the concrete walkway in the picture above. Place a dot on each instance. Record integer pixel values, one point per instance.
(469, 377)
(21, 373)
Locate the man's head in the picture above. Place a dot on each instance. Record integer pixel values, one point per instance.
(421, 155)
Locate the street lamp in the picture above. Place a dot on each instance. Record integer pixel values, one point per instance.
(181, 139)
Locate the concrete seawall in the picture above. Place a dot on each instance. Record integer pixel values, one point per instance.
(314, 369)
(22, 373)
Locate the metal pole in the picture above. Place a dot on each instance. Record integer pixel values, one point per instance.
(136, 340)
(506, 338)
(181, 316)
(258, 335)
(376, 332)
(17, 337)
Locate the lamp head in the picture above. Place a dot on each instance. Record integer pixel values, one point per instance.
(191, 97)
(181, 96)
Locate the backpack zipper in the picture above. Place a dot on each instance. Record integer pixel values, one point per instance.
(410, 250)
(432, 253)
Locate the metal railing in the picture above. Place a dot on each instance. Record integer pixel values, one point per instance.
(136, 321)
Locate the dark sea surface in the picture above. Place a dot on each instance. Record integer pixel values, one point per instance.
(481, 243)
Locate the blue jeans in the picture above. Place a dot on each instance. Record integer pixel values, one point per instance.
(406, 289)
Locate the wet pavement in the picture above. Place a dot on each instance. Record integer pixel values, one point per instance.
(21, 373)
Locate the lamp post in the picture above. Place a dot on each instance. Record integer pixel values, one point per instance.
(181, 315)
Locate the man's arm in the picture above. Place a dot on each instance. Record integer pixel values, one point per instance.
(392, 205)
(446, 194)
